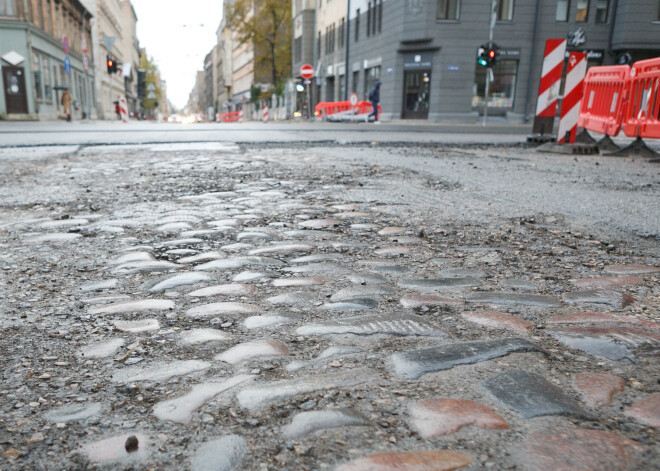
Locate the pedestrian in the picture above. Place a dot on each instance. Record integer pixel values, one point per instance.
(374, 98)
(67, 99)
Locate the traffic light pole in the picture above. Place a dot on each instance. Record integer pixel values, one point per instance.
(489, 70)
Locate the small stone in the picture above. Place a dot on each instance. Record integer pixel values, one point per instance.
(436, 417)
(222, 454)
(597, 389)
(419, 460)
(306, 423)
(131, 444)
(11, 454)
(646, 411)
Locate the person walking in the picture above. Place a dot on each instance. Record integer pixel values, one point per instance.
(67, 99)
(374, 98)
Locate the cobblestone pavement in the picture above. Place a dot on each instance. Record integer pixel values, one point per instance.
(223, 308)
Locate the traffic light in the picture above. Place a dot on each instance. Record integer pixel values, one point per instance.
(487, 55)
(300, 84)
(111, 63)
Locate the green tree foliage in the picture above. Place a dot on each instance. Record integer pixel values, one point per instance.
(267, 25)
(147, 63)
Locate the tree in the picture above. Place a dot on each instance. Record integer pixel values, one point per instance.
(147, 64)
(267, 25)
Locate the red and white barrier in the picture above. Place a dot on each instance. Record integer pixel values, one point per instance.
(546, 105)
(240, 116)
(123, 110)
(570, 105)
(264, 113)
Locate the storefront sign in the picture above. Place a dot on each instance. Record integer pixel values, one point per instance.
(576, 38)
(423, 60)
(592, 54)
(504, 53)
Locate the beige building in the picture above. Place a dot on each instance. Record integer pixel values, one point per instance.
(224, 67)
(107, 32)
(130, 55)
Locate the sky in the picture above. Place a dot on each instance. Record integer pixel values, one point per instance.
(177, 35)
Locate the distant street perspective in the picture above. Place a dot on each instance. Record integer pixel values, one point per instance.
(346, 235)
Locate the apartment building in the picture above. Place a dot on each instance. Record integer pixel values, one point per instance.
(130, 55)
(44, 50)
(425, 51)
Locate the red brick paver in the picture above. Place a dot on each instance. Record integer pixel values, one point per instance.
(576, 449)
(422, 460)
(597, 389)
(435, 417)
(498, 320)
(646, 411)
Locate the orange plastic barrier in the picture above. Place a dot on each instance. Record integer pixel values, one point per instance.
(604, 98)
(641, 117)
(327, 108)
(231, 117)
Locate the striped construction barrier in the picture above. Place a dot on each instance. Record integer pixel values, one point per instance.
(123, 110)
(546, 104)
(570, 105)
(264, 113)
(232, 117)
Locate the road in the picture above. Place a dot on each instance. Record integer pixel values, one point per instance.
(297, 301)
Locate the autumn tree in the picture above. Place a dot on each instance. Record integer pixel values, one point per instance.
(266, 24)
(147, 64)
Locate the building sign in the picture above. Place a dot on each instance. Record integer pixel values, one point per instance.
(576, 38)
(505, 53)
(592, 54)
(423, 60)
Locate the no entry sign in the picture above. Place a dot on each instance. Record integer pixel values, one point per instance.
(307, 71)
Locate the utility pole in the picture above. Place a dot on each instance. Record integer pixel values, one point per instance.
(348, 42)
(489, 71)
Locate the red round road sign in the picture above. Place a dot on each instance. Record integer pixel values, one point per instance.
(307, 71)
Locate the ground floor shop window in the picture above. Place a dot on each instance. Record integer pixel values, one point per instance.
(42, 80)
(370, 77)
(501, 90)
(330, 89)
(342, 87)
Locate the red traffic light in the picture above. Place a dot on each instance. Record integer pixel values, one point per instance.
(110, 63)
(491, 54)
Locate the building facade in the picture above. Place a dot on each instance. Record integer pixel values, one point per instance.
(130, 55)
(108, 30)
(44, 50)
(425, 51)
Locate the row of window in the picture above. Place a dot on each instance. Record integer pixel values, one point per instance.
(7, 8)
(374, 25)
(451, 10)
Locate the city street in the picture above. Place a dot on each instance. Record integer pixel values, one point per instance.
(308, 296)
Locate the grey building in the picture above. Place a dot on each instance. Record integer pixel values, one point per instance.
(425, 51)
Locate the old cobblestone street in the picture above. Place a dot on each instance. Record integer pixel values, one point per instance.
(215, 306)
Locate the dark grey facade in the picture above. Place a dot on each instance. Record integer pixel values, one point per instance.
(425, 51)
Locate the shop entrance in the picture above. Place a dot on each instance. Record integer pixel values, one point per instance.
(13, 79)
(416, 94)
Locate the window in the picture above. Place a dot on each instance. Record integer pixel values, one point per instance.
(380, 16)
(562, 10)
(602, 10)
(502, 91)
(356, 79)
(45, 73)
(342, 84)
(370, 77)
(448, 9)
(297, 49)
(318, 45)
(505, 10)
(357, 25)
(582, 13)
(36, 73)
(369, 19)
(7, 8)
(342, 33)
